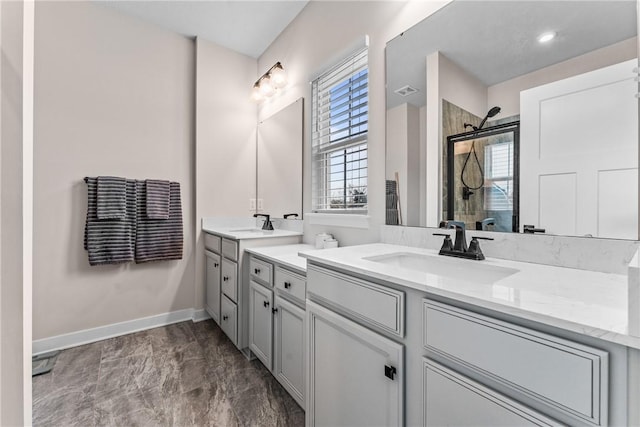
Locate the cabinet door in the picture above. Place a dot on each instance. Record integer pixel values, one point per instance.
(261, 322)
(288, 352)
(229, 318)
(229, 274)
(213, 286)
(452, 399)
(355, 375)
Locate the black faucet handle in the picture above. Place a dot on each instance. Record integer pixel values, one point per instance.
(286, 216)
(447, 244)
(482, 238)
(442, 234)
(474, 250)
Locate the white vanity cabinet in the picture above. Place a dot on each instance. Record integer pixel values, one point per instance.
(276, 332)
(355, 375)
(227, 280)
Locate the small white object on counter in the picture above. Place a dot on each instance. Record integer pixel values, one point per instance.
(330, 243)
(321, 238)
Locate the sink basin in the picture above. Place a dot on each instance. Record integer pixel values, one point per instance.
(453, 268)
(246, 230)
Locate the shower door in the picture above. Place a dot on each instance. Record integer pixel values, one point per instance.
(579, 154)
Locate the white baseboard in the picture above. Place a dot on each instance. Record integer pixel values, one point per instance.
(86, 336)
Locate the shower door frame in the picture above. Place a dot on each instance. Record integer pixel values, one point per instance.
(511, 127)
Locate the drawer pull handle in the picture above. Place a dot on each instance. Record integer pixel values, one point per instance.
(256, 271)
(265, 303)
(287, 285)
(225, 278)
(274, 310)
(389, 371)
(225, 318)
(215, 265)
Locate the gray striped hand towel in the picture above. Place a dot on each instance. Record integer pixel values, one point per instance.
(157, 199)
(111, 197)
(159, 239)
(110, 241)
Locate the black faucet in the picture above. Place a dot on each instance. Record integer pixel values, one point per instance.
(267, 222)
(459, 248)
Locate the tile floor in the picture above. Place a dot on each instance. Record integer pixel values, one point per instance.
(186, 374)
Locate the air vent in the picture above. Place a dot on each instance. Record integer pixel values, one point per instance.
(406, 90)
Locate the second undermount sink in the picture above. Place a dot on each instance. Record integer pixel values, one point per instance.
(453, 268)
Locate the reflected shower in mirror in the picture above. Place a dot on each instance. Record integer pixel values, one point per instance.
(569, 105)
(279, 176)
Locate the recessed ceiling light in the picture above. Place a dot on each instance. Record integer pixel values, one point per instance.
(546, 37)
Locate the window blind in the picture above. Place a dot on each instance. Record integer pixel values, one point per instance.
(339, 125)
(498, 192)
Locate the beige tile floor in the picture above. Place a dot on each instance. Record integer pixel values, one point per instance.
(186, 374)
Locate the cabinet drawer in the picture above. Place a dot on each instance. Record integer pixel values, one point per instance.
(378, 306)
(229, 282)
(229, 318)
(230, 249)
(260, 271)
(291, 284)
(453, 399)
(568, 376)
(212, 242)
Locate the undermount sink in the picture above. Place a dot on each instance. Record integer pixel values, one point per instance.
(453, 268)
(247, 230)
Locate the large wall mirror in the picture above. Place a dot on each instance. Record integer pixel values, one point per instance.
(279, 176)
(518, 116)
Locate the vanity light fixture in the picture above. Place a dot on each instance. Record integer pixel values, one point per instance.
(546, 37)
(269, 83)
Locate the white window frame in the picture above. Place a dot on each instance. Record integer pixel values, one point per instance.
(329, 137)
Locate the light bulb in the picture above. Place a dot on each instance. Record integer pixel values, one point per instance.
(255, 93)
(546, 37)
(278, 77)
(266, 88)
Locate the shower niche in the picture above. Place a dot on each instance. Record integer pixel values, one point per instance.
(480, 174)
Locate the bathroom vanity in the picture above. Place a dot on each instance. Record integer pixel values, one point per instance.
(277, 311)
(401, 336)
(227, 275)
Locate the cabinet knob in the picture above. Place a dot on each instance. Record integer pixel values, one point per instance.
(274, 310)
(225, 318)
(225, 278)
(215, 265)
(287, 285)
(256, 271)
(389, 371)
(265, 303)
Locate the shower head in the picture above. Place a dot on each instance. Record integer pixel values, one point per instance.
(492, 112)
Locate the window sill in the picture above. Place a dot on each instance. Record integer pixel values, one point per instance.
(338, 220)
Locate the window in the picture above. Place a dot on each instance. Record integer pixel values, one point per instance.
(339, 125)
(498, 167)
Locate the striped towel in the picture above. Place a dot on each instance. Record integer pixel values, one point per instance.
(391, 203)
(112, 203)
(110, 241)
(159, 239)
(157, 199)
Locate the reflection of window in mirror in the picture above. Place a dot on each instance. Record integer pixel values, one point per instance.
(340, 118)
(498, 193)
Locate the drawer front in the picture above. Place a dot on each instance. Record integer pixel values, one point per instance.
(446, 392)
(291, 284)
(229, 282)
(212, 242)
(375, 305)
(568, 376)
(261, 271)
(229, 318)
(230, 249)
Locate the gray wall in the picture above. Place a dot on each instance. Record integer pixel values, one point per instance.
(114, 96)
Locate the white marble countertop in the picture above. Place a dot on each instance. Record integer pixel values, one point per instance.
(286, 255)
(589, 303)
(241, 233)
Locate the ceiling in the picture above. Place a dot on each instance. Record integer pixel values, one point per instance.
(248, 27)
(497, 40)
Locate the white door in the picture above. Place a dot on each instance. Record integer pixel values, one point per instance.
(213, 286)
(355, 376)
(288, 351)
(579, 154)
(260, 322)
